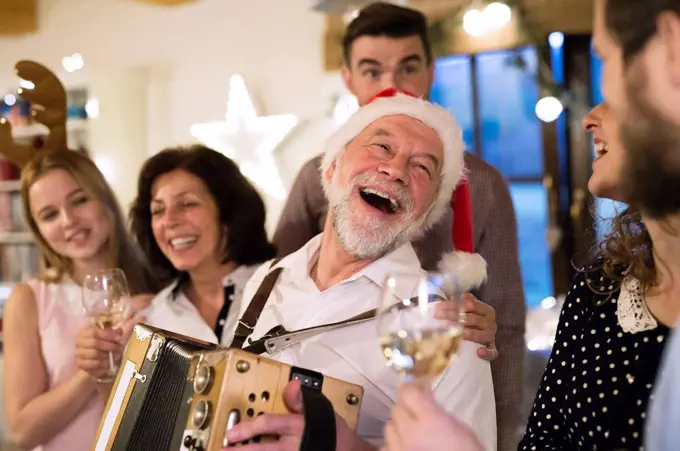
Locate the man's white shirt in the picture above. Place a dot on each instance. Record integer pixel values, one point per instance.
(352, 353)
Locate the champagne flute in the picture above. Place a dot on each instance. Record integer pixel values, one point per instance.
(415, 343)
(106, 300)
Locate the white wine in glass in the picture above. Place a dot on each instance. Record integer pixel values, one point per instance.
(415, 343)
(106, 300)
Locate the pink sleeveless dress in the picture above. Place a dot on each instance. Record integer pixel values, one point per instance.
(60, 317)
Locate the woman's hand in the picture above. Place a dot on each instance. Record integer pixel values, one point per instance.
(94, 344)
(418, 424)
(479, 322)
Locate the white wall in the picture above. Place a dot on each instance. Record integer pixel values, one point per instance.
(188, 54)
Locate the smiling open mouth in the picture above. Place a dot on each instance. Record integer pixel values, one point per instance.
(601, 149)
(379, 200)
(183, 242)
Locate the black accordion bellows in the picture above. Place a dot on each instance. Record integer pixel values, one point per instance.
(160, 402)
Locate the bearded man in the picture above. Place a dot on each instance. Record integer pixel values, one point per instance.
(388, 174)
(639, 43)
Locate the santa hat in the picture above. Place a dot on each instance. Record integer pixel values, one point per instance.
(470, 267)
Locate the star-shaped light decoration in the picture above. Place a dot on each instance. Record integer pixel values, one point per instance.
(248, 139)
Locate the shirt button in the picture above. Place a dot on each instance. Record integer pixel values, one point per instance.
(222, 322)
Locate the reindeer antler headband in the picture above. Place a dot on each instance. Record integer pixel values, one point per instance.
(48, 107)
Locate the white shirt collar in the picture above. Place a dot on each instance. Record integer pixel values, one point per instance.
(238, 277)
(299, 265)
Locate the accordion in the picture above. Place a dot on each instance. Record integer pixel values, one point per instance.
(176, 393)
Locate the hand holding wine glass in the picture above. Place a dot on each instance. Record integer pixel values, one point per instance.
(415, 342)
(106, 300)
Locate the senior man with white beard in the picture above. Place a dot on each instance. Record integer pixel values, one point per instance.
(388, 174)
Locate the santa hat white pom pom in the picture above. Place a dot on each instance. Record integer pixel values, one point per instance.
(469, 268)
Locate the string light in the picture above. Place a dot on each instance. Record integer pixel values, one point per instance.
(10, 99)
(556, 39)
(248, 139)
(497, 14)
(548, 109)
(73, 63)
(494, 16)
(474, 24)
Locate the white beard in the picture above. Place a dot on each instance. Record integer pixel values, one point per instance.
(368, 237)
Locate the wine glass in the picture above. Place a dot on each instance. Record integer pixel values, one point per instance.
(106, 300)
(415, 343)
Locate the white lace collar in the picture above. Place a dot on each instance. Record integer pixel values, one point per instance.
(631, 310)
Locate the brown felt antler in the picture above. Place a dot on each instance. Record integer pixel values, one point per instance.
(48, 107)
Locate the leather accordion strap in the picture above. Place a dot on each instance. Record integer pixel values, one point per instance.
(319, 432)
(247, 322)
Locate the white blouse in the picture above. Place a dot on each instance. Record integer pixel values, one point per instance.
(171, 310)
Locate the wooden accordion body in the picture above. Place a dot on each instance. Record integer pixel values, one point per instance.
(176, 393)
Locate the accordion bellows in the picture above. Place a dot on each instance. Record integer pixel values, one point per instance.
(176, 393)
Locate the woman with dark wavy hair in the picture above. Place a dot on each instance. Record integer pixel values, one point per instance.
(202, 226)
(612, 330)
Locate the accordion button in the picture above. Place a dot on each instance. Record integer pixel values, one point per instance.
(203, 378)
(352, 399)
(201, 414)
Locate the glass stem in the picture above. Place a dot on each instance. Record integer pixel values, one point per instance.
(112, 365)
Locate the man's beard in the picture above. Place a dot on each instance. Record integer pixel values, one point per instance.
(651, 166)
(368, 237)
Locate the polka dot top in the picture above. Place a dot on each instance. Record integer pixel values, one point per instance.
(600, 375)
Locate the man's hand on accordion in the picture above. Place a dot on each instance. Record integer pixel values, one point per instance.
(290, 427)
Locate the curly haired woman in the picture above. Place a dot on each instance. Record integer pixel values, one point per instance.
(612, 330)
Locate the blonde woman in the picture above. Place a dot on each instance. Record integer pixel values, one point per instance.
(74, 216)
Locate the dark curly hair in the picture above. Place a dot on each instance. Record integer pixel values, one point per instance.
(625, 251)
(241, 209)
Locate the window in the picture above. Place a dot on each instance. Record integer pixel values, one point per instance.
(497, 91)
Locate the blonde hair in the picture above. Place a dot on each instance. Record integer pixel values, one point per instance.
(121, 251)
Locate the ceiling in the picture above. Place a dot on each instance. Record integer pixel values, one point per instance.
(21, 16)
(542, 16)
(18, 16)
(570, 16)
